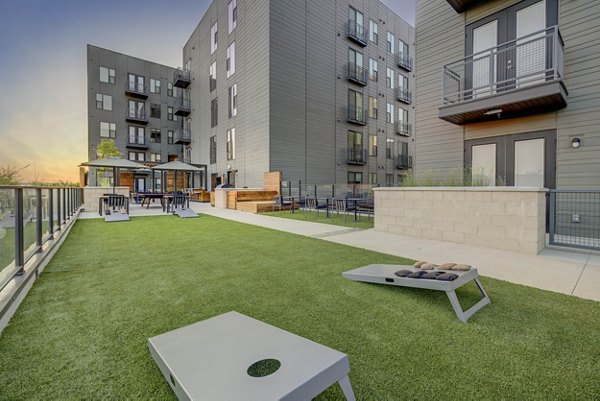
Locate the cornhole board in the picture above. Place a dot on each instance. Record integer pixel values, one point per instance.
(384, 274)
(209, 360)
(115, 216)
(185, 213)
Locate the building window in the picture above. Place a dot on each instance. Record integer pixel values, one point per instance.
(103, 102)
(155, 110)
(213, 38)
(390, 42)
(108, 130)
(389, 148)
(373, 145)
(233, 100)
(170, 115)
(135, 83)
(231, 144)
(372, 70)
(373, 34)
(155, 157)
(354, 178)
(230, 67)
(355, 143)
(389, 115)
(214, 112)
(356, 108)
(154, 85)
(212, 76)
(403, 50)
(170, 137)
(372, 107)
(154, 136)
(373, 178)
(357, 20)
(402, 83)
(107, 75)
(132, 155)
(137, 135)
(171, 90)
(389, 180)
(402, 116)
(136, 109)
(213, 149)
(232, 15)
(390, 78)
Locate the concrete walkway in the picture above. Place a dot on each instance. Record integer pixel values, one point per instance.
(567, 272)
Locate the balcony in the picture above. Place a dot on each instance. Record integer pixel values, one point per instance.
(136, 116)
(403, 128)
(404, 61)
(137, 143)
(518, 78)
(182, 108)
(404, 95)
(404, 162)
(357, 155)
(357, 115)
(183, 136)
(136, 89)
(356, 74)
(181, 78)
(357, 33)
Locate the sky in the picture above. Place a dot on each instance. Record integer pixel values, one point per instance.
(43, 95)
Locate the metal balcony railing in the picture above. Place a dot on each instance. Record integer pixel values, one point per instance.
(357, 32)
(183, 107)
(357, 115)
(181, 78)
(529, 60)
(404, 61)
(404, 95)
(357, 74)
(183, 136)
(135, 114)
(403, 128)
(357, 155)
(136, 89)
(404, 162)
(137, 142)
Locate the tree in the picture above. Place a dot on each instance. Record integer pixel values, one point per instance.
(9, 175)
(107, 148)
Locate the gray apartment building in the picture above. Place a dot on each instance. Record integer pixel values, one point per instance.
(137, 104)
(510, 89)
(319, 90)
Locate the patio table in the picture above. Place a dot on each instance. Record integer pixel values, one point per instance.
(210, 360)
(146, 198)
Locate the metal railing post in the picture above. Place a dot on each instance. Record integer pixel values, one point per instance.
(58, 213)
(19, 236)
(38, 218)
(491, 70)
(64, 206)
(51, 214)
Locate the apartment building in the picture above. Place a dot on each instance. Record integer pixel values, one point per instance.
(510, 89)
(137, 104)
(319, 90)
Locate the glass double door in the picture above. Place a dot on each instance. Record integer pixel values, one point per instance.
(502, 60)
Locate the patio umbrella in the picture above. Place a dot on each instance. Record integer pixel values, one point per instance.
(115, 163)
(176, 166)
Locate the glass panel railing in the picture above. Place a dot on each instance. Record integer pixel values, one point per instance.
(45, 214)
(7, 233)
(29, 222)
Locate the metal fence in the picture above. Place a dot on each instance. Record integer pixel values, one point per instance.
(29, 217)
(574, 218)
(297, 188)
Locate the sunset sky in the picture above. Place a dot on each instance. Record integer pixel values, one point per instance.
(43, 69)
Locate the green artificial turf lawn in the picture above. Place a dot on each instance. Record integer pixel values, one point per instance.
(335, 219)
(81, 332)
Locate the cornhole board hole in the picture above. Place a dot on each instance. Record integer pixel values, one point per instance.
(185, 213)
(115, 216)
(384, 274)
(211, 360)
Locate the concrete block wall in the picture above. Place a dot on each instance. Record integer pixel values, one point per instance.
(508, 218)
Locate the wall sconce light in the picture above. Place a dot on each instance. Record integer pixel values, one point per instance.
(575, 143)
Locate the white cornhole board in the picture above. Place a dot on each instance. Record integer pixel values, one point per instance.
(115, 216)
(384, 274)
(209, 360)
(185, 213)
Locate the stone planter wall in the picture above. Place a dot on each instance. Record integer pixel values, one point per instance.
(507, 218)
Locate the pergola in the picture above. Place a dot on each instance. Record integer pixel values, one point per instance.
(116, 164)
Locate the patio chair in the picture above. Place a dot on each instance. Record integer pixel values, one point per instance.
(116, 208)
(279, 203)
(311, 204)
(367, 207)
(341, 205)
